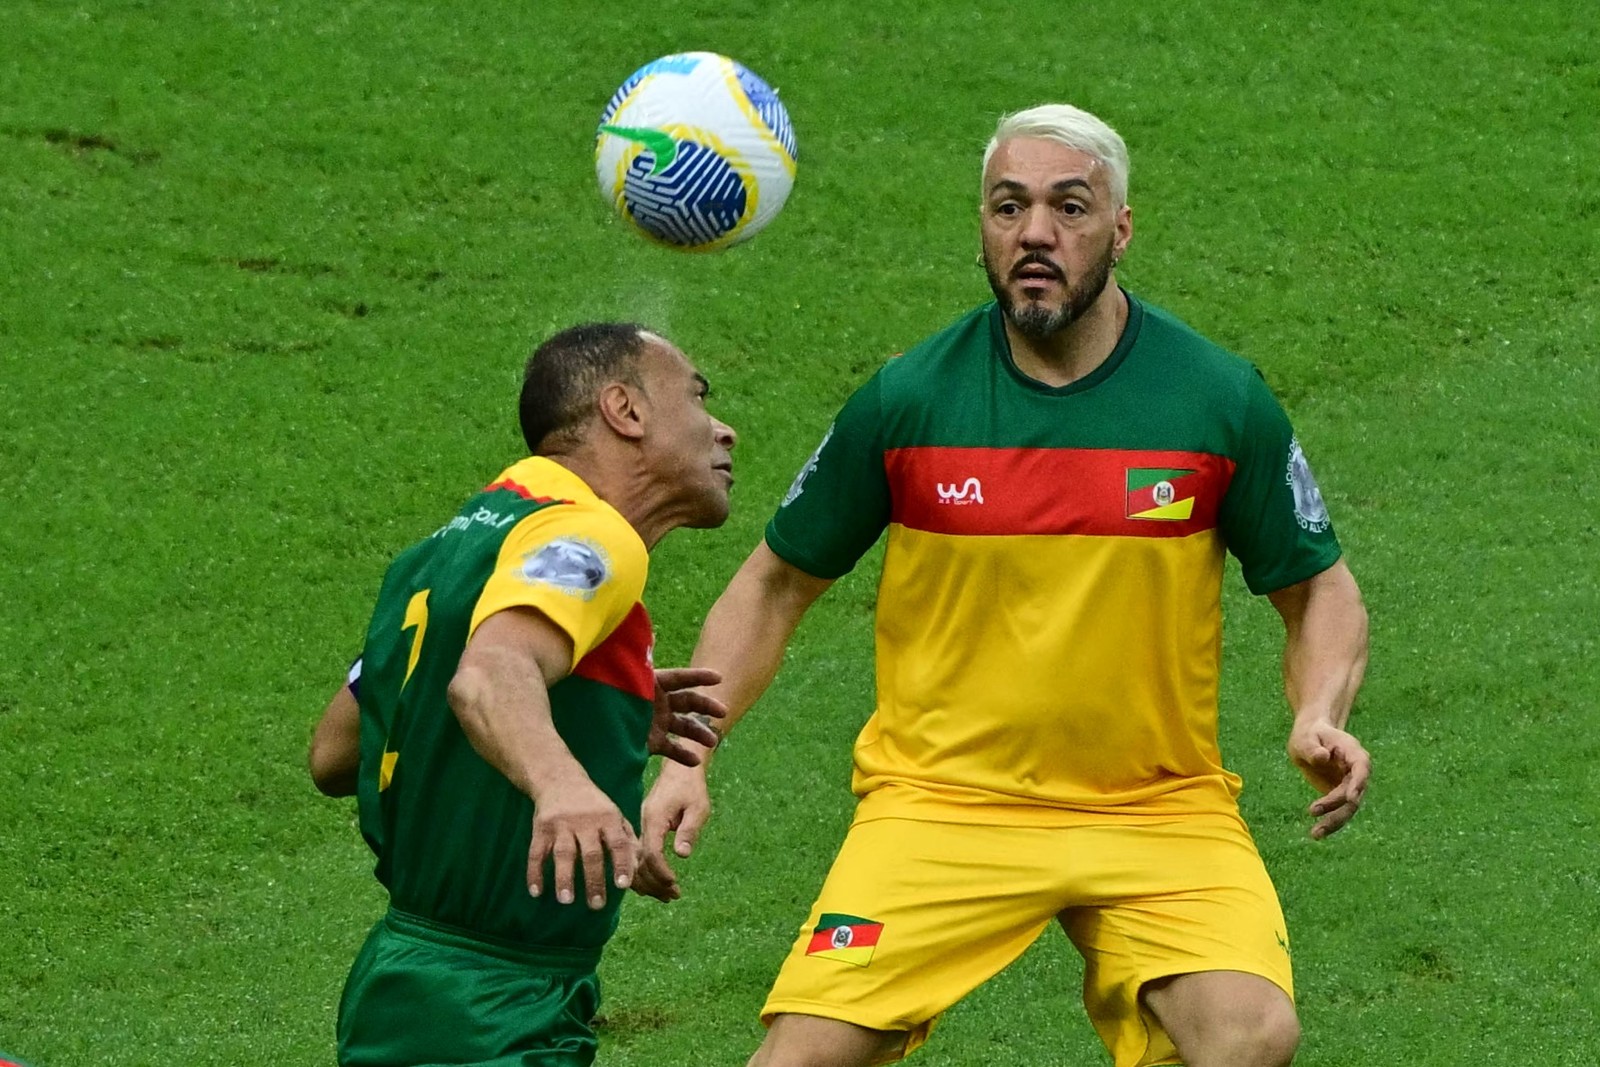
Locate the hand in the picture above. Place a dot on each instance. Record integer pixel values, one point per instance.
(683, 712)
(578, 822)
(679, 802)
(1337, 766)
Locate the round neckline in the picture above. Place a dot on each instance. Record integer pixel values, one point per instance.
(1001, 344)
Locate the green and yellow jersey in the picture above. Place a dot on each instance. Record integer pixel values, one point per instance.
(1049, 620)
(451, 833)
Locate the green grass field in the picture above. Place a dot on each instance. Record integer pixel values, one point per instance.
(270, 271)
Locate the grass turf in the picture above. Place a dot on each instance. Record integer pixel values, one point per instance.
(271, 271)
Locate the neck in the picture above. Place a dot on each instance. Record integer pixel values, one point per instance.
(1078, 349)
(642, 501)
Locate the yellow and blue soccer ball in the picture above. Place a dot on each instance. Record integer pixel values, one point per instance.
(695, 151)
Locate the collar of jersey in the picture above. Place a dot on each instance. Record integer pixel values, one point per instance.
(1130, 333)
(543, 476)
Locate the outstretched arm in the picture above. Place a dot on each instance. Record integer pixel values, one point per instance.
(1324, 659)
(743, 640)
(750, 625)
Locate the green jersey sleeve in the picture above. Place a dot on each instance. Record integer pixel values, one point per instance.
(1273, 517)
(839, 502)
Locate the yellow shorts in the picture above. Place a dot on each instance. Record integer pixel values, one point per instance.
(914, 915)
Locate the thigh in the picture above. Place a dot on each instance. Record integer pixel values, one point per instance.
(1225, 1017)
(409, 1001)
(1168, 898)
(912, 917)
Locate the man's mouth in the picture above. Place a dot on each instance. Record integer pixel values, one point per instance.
(1037, 272)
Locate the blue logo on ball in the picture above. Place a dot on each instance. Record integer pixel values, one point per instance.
(765, 100)
(695, 201)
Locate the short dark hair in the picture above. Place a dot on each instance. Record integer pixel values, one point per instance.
(565, 373)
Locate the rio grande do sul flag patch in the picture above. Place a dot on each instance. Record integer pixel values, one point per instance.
(1161, 493)
(846, 938)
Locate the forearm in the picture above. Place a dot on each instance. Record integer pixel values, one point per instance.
(743, 639)
(744, 646)
(1324, 659)
(749, 627)
(503, 705)
(1325, 651)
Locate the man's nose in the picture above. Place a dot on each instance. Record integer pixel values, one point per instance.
(1038, 229)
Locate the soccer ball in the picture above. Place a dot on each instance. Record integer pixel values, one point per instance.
(695, 151)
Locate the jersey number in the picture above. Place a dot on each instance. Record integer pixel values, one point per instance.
(417, 616)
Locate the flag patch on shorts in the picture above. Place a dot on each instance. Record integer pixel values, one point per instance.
(846, 938)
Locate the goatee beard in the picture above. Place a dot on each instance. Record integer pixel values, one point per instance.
(1036, 321)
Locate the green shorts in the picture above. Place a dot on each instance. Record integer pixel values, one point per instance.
(423, 994)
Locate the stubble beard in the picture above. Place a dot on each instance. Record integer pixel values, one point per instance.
(1038, 321)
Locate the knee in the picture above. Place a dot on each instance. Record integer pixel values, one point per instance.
(1259, 1035)
(809, 1041)
(1266, 1038)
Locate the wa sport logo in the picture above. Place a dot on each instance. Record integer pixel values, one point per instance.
(968, 492)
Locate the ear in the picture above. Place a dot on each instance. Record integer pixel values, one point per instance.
(621, 410)
(1124, 230)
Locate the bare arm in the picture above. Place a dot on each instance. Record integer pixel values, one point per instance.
(750, 625)
(1324, 660)
(500, 694)
(335, 755)
(743, 640)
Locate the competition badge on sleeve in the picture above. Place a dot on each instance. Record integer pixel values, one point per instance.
(1309, 510)
(575, 566)
(798, 486)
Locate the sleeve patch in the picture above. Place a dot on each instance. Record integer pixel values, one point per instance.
(1310, 511)
(798, 486)
(576, 566)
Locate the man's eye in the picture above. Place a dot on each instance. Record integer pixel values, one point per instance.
(1073, 209)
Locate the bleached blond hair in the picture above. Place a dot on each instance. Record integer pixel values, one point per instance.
(1075, 128)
